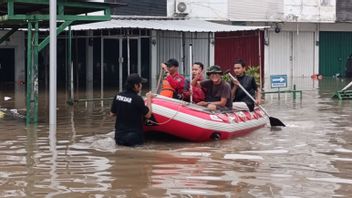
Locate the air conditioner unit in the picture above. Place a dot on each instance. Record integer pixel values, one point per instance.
(181, 7)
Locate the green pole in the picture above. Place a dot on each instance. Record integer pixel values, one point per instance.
(35, 72)
(29, 74)
(294, 91)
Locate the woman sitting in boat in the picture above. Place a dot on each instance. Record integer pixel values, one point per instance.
(197, 76)
(217, 91)
(173, 84)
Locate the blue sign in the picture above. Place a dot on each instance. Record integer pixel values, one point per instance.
(278, 81)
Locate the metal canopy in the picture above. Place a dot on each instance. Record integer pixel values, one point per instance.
(35, 14)
(179, 25)
(16, 13)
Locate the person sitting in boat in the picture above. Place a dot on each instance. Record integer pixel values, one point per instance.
(129, 109)
(173, 84)
(240, 98)
(217, 91)
(197, 76)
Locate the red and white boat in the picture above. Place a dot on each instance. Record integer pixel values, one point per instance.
(198, 124)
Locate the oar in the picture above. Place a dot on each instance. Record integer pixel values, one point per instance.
(342, 90)
(347, 86)
(273, 121)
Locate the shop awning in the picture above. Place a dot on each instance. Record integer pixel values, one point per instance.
(179, 25)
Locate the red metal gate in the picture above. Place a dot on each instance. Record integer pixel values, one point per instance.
(245, 45)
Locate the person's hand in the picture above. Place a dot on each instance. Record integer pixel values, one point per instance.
(197, 77)
(203, 103)
(164, 67)
(235, 81)
(258, 101)
(149, 95)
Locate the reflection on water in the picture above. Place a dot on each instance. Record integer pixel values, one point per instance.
(311, 157)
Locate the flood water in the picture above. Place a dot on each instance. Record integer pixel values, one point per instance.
(311, 157)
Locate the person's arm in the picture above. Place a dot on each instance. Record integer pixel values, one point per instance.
(178, 83)
(258, 97)
(173, 83)
(198, 94)
(222, 102)
(196, 80)
(225, 95)
(113, 108)
(203, 86)
(234, 89)
(149, 96)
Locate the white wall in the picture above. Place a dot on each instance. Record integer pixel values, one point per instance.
(254, 10)
(291, 53)
(169, 46)
(174, 45)
(262, 10)
(277, 53)
(310, 10)
(303, 55)
(201, 9)
(200, 46)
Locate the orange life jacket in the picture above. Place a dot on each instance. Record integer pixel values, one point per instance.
(166, 89)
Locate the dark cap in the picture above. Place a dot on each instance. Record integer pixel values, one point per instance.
(171, 62)
(215, 69)
(135, 79)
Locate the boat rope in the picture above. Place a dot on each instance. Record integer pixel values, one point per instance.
(157, 89)
(168, 120)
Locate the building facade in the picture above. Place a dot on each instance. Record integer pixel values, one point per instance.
(304, 38)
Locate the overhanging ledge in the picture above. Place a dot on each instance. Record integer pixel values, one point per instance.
(178, 25)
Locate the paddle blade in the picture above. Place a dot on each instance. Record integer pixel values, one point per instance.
(276, 122)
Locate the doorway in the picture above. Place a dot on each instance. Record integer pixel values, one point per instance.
(123, 56)
(7, 68)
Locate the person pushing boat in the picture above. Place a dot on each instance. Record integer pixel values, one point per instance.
(130, 110)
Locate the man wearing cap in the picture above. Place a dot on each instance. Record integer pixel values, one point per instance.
(217, 91)
(130, 110)
(174, 83)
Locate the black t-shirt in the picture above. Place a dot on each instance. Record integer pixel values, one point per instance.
(248, 82)
(214, 93)
(130, 110)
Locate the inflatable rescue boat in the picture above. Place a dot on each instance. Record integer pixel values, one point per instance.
(198, 124)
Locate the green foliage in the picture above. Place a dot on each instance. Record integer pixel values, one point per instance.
(251, 71)
(226, 78)
(254, 72)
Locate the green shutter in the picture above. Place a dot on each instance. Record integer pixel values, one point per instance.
(334, 49)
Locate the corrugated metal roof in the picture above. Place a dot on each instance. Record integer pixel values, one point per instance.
(189, 25)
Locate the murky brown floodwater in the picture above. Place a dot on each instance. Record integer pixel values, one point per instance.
(311, 157)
